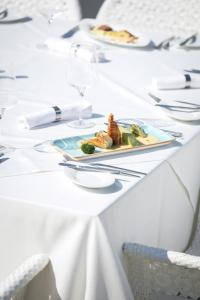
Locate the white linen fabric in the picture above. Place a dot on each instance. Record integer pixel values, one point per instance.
(82, 230)
(176, 82)
(48, 115)
(63, 46)
(168, 16)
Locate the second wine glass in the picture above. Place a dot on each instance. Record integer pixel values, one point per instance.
(81, 75)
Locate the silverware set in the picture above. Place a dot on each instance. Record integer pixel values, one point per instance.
(166, 43)
(189, 107)
(99, 167)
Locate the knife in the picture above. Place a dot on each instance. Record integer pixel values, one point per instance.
(194, 71)
(117, 168)
(86, 167)
(13, 77)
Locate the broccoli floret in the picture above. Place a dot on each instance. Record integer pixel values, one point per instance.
(137, 131)
(88, 148)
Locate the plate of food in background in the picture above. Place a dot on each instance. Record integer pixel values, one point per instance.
(117, 35)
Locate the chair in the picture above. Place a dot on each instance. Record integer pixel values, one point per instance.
(70, 8)
(170, 16)
(156, 273)
(12, 286)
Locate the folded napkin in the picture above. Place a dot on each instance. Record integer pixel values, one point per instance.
(55, 113)
(176, 82)
(62, 46)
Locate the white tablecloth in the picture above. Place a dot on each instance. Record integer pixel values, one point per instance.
(83, 230)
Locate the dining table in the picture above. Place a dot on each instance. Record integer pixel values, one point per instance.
(82, 229)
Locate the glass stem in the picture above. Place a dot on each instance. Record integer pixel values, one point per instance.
(80, 116)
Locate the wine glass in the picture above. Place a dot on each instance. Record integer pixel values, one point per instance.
(81, 75)
(8, 97)
(50, 13)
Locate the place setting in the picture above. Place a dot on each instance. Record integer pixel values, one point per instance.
(113, 34)
(117, 138)
(100, 34)
(186, 109)
(129, 37)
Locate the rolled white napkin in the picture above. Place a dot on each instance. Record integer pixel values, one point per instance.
(176, 82)
(63, 46)
(49, 115)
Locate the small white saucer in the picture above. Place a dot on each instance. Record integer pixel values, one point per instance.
(92, 180)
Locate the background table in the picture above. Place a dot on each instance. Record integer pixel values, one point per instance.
(83, 230)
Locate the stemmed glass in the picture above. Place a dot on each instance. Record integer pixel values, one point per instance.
(8, 97)
(50, 13)
(81, 75)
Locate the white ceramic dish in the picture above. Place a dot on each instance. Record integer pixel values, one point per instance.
(87, 24)
(92, 180)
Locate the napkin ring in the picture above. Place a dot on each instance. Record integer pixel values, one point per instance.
(187, 79)
(58, 113)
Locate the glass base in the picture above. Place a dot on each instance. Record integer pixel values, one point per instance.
(41, 46)
(6, 149)
(45, 147)
(80, 124)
